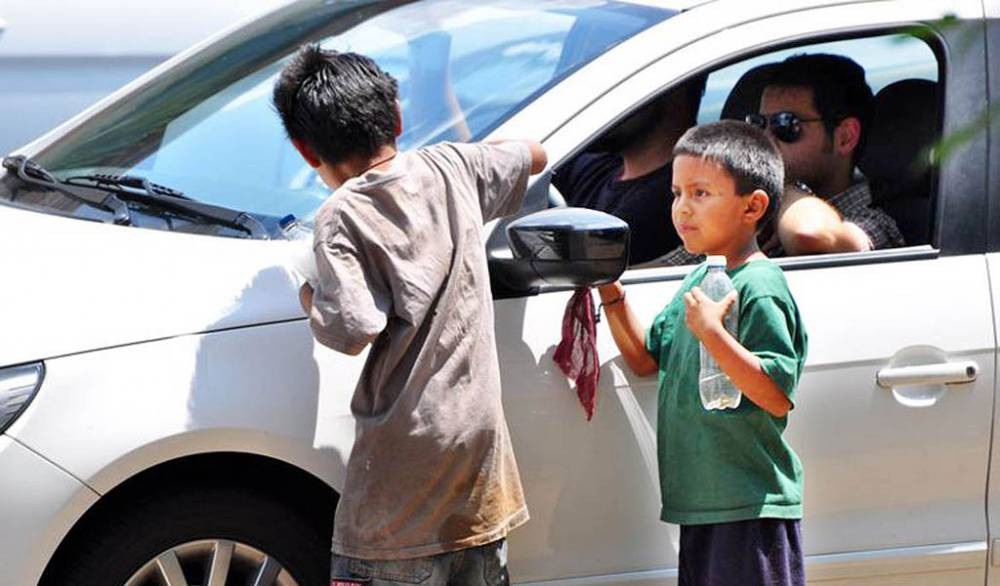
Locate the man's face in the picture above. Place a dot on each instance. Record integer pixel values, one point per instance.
(811, 158)
(672, 108)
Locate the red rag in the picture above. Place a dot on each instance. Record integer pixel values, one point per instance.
(576, 354)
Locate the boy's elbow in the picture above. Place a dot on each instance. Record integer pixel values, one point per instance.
(780, 410)
(645, 371)
(642, 365)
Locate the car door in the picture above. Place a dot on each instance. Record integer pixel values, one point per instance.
(895, 477)
(993, 260)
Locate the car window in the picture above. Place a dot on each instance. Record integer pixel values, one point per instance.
(885, 59)
(207, 128)
(888, 195)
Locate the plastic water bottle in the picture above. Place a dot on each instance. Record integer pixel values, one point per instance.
(717, 391)
(303, 258)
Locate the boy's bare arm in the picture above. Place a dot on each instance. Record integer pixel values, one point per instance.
(704, 319)
(625, 328)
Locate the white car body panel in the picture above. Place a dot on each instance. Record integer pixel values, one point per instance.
(149, 403)
(177, 283)
(49, 501)
(915, 566)
(993, 494)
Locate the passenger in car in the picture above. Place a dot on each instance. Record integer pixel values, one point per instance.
(432, 486)
(626, 173)
(729, 479)
(818, 108)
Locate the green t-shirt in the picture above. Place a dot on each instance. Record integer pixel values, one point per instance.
(729, 465)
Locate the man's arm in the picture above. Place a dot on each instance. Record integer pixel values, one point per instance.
(704, 319)
(625, 328)
(809, 225)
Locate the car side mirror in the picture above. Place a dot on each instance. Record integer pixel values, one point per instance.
(569, 247)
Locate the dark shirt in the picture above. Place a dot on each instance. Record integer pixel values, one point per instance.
(590, 180)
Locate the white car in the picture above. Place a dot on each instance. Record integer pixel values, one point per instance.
(167, 418)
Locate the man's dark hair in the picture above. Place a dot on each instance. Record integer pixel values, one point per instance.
(641, 124)
(838, 87)
(340, 104)
(745, 152)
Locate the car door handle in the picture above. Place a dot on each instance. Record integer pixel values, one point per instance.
(945, 373)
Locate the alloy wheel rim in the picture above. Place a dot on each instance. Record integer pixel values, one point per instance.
(212, 562)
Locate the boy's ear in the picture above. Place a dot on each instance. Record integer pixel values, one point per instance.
(307, 153)
(757, 203)
(398, 130)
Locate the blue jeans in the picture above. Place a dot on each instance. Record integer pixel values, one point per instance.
(484, 565)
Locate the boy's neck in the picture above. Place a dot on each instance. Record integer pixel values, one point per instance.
(741, 252)
(343, 171)
(381, 159)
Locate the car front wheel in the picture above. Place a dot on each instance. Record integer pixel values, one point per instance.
(207, 537)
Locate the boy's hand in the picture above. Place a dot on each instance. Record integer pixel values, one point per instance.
(704, 316)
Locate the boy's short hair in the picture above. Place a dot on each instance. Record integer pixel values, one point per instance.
(340, 104)
(745, 152)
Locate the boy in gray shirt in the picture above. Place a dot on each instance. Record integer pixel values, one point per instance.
(401, 266)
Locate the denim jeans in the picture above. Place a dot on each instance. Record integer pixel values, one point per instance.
(485, 565)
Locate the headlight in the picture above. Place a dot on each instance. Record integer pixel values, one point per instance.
(18, 385)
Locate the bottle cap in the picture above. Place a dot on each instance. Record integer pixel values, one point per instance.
(287, 221)
(716, 261)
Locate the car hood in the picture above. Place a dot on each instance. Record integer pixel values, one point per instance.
(72, 286)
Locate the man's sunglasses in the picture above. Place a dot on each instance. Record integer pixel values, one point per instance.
(785, 126)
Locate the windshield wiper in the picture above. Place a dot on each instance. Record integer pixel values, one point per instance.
(141, 190)
(34, 174)
(133, 181)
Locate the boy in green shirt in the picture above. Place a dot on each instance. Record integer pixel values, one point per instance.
(727, 477)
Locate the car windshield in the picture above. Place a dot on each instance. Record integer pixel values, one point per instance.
(207, 127)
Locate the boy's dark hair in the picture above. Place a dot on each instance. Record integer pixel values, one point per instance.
(838, 87)
(745, 152)
(340, 104)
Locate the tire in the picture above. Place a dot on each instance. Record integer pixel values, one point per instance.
(125, 546)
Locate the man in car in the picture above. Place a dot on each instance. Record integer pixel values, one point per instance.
(817, 107)
(432, 487)
(627, 172)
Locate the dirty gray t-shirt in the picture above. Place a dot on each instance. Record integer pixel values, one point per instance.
(401, 263)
